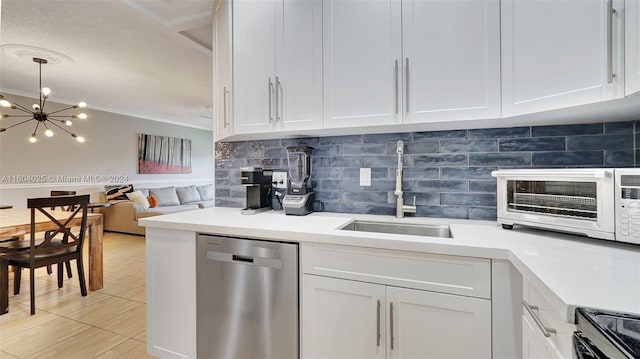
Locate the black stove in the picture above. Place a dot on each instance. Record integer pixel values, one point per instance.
(603, 334)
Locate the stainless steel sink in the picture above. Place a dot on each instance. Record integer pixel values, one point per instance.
(413, 229)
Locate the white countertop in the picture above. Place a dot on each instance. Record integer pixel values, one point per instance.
(581, 272)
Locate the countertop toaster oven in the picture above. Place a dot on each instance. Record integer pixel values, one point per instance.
(600, 203)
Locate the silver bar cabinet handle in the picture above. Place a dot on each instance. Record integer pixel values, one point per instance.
(378, 335)
(224, 106)
(395, 78)
(277, 101)
(391, 337)
(406, 78)
(546, 331)
(270, 101)
(610, 12)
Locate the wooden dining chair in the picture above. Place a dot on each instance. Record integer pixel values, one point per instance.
(56, 193)
(57, 247)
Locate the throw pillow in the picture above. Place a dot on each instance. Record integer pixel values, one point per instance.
(206, 192)
(117, 192)
(188, 194)
(153, 201)
(139, 197)
(166, 196)
(145, 191)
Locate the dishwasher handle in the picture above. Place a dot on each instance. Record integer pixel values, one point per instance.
(246, 260)
(239, 258)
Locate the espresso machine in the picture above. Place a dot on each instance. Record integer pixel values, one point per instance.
(299, 198)
(258, 184)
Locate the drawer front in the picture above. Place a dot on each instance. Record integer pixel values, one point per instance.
(534, 344)
(538, 305)
(433, 272)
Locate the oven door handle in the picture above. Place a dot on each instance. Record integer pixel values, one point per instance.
(583, 349)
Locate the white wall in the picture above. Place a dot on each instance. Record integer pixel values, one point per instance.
(110, 151)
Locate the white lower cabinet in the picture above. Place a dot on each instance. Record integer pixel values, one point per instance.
(378, 303)
(342, 318)
(436, 325)
(350, 319)
(171, 293)
(545, 332)
(534, 343)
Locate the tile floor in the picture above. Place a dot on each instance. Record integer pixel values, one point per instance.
(108, 323)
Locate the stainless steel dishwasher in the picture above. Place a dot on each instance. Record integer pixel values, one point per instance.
(247, 298)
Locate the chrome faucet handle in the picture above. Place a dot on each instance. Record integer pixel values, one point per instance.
(408, 208)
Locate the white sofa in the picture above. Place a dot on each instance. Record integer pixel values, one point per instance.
(122, 215)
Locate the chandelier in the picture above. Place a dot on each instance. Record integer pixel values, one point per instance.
(36, 113)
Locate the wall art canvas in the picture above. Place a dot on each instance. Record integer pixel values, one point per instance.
(163, 154)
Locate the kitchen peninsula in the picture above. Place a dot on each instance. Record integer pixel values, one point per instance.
(481, 264)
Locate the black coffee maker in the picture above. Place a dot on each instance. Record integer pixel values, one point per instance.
(258, 184)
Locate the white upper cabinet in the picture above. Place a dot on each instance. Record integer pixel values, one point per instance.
(451, 65)
(299, 65)
(222, 69)
(412, 61)
(632, 46)
(254, 65)
(560, 53)
(362, 55)
(277, 56)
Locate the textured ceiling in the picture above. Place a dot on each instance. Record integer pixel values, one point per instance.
(143, 58)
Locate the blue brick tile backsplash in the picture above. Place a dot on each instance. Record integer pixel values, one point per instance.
(508, 132)
(448, 172)
(533, 144)
(567, 130)
(568, 158)
(611, 128)
(600, 142)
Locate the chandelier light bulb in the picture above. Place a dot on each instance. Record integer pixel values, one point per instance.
(48, 133)
(5, 103)
(82, 104)
(35, 107)
(46, 91)
(78, 138)
(33, 138)
(82, 116)
(68, 123)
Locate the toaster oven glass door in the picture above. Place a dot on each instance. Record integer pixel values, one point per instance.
(577, 200)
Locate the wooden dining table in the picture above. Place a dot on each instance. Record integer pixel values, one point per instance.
(17, 221)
